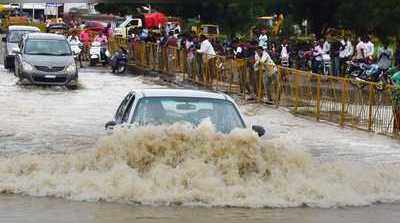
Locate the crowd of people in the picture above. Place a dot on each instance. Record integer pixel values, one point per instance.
(325, 56)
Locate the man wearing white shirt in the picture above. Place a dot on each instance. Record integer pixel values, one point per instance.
(317, 53)
(360, 51)
(208, 52)
(269, 67)
(263, 39)
(206, 48)
(370, 49)
(326, 47)
(346, 52)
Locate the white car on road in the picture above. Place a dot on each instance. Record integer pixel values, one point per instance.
(169, 106)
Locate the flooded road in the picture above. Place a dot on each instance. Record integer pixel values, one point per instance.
(56, 120)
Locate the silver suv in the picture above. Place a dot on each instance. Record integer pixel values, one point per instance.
(45, 59)
(11, 40)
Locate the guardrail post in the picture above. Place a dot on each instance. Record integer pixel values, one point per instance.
(296, 91)
(260, 82)
(343, 107)
(370, 101)
(318, 98)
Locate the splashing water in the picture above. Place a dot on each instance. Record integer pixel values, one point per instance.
(181, 165)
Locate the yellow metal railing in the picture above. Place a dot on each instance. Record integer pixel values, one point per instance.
(347, 102)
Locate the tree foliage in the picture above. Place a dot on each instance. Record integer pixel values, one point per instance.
(381, 17)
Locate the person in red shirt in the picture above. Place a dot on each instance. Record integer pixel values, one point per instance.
(85, 39)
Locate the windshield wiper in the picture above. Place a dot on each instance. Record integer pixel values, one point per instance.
(44, 54)
(49, 54)
(62, 54)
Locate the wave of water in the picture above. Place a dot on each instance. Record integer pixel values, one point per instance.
(181, 165)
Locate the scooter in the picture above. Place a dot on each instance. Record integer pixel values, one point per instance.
(119, 61)
(76, 48)
(98, 53)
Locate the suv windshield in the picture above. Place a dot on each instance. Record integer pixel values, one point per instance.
(47, 47)
(166, 110)
(16, 35)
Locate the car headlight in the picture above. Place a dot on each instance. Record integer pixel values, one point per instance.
(27, 67)
(71, 69)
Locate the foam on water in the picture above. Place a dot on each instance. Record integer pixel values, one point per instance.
(181, 165)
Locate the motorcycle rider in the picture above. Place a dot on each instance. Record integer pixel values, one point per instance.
(76, 47)
(119, 55)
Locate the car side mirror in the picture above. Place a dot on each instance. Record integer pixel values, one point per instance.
(110, 125)
(259, 130)
(4, 39)
(16, 51)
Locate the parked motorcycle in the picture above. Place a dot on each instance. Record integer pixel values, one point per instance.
(119, 61)
(354, 69)
(98, 54)
(363, 73)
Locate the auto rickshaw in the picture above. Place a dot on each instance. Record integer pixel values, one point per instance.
(58, 28)
(210, 31)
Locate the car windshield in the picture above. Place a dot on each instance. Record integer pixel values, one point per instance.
(119, 22)
(16, 35)
(47, 47)
(166, 110)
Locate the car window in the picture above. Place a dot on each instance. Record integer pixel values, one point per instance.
(15, 36)
(169, 110)
(122, 108)
(133, 23)
(53, 47)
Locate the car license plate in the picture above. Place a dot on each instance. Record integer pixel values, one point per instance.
(50, 76)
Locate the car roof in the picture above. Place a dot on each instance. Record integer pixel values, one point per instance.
(33, 28)
(181, 93)
(45, 36)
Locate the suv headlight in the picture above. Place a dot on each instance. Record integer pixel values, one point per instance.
(27, 67)
(71, 69)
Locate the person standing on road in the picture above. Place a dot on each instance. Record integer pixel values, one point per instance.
(208, 52)
(264, 65)
(85, 39)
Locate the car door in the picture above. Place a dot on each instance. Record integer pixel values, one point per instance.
(18, 58)
(124, 110)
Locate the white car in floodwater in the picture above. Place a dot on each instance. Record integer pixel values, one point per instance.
(168, 106)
